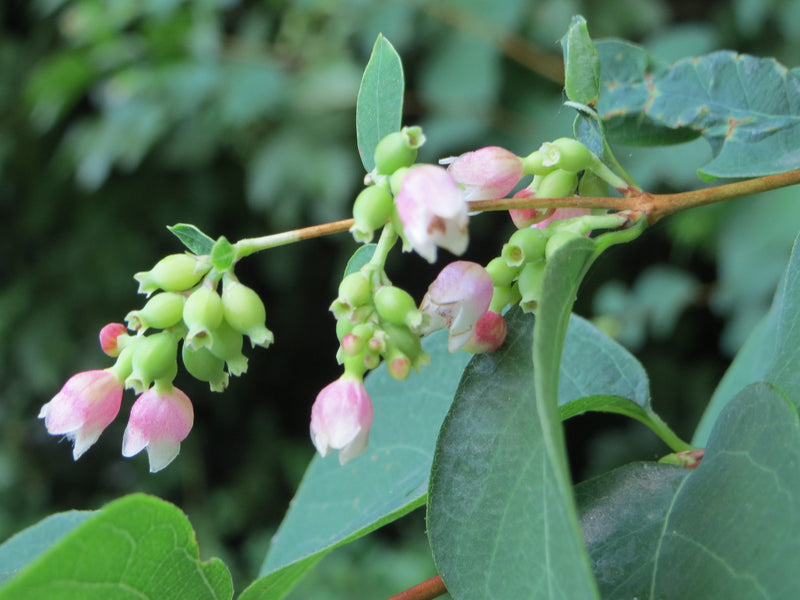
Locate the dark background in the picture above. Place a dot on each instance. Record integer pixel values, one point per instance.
(119, 118)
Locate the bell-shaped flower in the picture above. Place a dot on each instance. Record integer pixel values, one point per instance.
(341, 418)
(160, 420)
(84, 407)
(486, 174)
(433, 211)
(457, 299)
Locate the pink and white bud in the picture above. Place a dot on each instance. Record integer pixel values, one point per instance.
(341, 418)
(84, 407)
(563, 213)
(489, 334)
(433, 211)
(457, 299)
(486, 174)
(159, 421)
(108, 338)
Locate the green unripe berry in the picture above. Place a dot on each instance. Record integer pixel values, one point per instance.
(558, 240)
(203, 365)
(161, 311)
(396, 306)
(398, 150)
(566, 154)
(245, 312)
(530, 285)
(153, 358)
(202, 313)
(401, 339)
(226, 343)
(525, 245)
(173, 273)
(396, 180)
(558, 184)
(371, 210)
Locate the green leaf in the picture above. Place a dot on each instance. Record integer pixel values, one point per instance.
(29, 543)
(498, 522)
(771, 353)
(336, 504)
(581, 64)
(136, 547)
(194, 239)
(652, 533)
(360, 257)
(379, 109)
(646, 101)
(222, 254)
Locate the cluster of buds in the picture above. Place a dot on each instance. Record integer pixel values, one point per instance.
(186, 309)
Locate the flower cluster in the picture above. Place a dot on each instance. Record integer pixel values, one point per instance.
(187, 309)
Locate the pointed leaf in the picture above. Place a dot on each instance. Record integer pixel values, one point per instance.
(652, 532)
(379, 109)
(771, 353)
(646, 101)
(222, 254)
(136, 547)
(194, 239)
(497, 520)
(581, 64)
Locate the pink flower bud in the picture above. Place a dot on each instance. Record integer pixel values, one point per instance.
(84, 407)
(489, 334)
(108, 338)
(525, 217)
(487, 174)
(433, 211)
(160, 421)
(341, 418)
(457, 299)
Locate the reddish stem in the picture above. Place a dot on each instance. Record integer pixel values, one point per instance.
(427, 590)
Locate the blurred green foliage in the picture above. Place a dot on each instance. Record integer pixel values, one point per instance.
(120, 117)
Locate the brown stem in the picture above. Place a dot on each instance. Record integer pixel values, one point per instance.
(427, 590)
(654, 206)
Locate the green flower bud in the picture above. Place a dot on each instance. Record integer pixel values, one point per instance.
(567, 154)
(558, 184)
(154, 357)
(533, 164)
(173, 273)
(525, 245)
(161, 311)
(226, 343)
(530, 285)
(398, 149)
(355, 289)
(202, 313)
(396, 306)
(398, 365)
(343, 327)
(591, 185)
(501, 297)
(245, 312)
(371, 210)
(557, 240)
(396, 180)
(402, 340)
(202, 364)
(501, 273)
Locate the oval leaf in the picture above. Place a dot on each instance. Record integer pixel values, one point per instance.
(194, 239)
(581, 64)
(379, 109)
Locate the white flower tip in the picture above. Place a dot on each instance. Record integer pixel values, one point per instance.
(161, 454)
